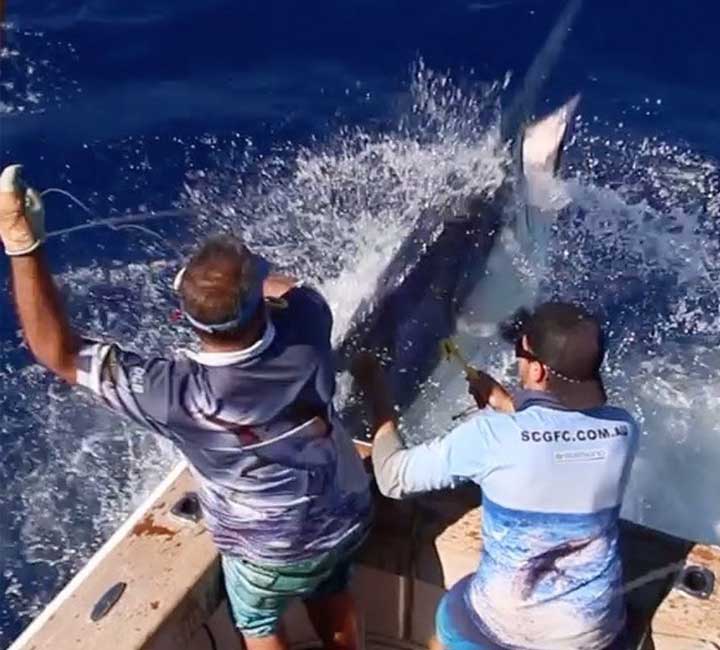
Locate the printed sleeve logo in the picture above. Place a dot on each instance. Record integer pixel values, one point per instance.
(580, 456)
(136, 376)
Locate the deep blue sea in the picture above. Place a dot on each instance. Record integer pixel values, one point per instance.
(247, 114)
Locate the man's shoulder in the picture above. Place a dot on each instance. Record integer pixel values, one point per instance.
(488, 426)
(493, 419)
(609, 412)
(304, 295)
(529, 403)
(614, 417)
(514, 420)
(303, 312)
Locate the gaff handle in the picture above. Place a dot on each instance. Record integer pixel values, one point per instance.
(449, 350)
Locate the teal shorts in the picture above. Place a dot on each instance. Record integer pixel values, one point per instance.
(258, 595)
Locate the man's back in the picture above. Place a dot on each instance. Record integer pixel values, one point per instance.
(279, 480)
(283, 490)
(553, 464)
(552, 480)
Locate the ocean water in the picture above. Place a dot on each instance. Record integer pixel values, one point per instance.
(320, 131)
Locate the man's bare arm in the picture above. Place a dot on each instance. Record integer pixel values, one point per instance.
(370, 378)
(399, 472)
(276, 286)
(489, 392)
(42, 316)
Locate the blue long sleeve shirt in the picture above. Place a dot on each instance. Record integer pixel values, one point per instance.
(550, 574)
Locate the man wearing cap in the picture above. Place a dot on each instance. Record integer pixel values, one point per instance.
(283, 490)
(553, 461)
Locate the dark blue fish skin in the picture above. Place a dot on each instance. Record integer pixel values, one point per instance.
(421, 293)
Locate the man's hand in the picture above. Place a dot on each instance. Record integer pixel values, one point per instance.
(370, 378)
(365, 368)
(22, 217)
(488, 392)
(42, 315)
(275, 285)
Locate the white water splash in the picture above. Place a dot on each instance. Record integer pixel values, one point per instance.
(637, 240)
(335, 212)
(73, 471)
(642, 246)
(29, 81)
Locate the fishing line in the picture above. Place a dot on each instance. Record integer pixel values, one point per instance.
(121, 222)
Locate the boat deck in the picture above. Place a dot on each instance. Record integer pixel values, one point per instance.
(173, 597)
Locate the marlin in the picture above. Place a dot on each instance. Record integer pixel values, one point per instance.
(426, 286)
(455, 258)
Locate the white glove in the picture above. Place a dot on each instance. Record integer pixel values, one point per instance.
(22, 215)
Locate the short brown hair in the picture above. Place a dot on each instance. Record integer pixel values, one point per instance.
(567, 339)
(217, 280)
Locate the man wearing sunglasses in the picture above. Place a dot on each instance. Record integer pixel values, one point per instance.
(553, 461)
(283, 491)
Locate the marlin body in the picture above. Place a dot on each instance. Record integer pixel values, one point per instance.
(444, 262)
(452, 259)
